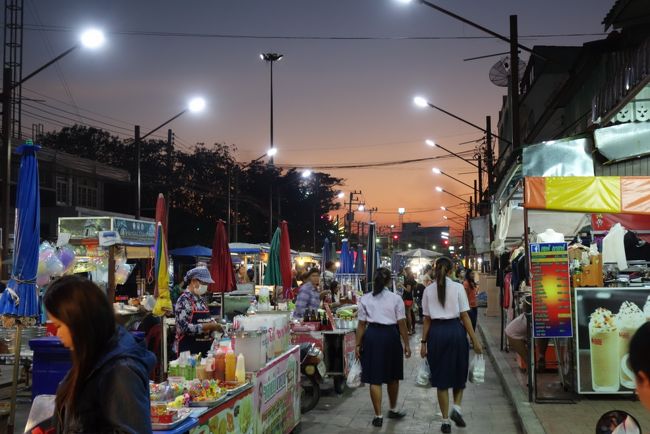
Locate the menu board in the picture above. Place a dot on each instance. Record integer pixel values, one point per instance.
(549, 269)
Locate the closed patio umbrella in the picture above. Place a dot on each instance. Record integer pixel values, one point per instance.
(221, 268)
(359, 265)
(20, 299)
(346, 258)
(272, 274)
(285, 258)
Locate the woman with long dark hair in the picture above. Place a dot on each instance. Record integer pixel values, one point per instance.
(471, 289)
(382, 321)
(444, 340)
(107, 388)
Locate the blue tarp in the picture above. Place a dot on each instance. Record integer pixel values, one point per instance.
(192, 251)
(26, 239)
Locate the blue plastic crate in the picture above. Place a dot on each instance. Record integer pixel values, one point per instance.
(51, 363)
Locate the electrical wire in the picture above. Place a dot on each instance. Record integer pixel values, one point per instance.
(365, 165)
(53, 28)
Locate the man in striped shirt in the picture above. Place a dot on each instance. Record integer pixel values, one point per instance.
(308, 296)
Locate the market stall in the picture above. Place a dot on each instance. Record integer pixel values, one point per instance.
(587, 298)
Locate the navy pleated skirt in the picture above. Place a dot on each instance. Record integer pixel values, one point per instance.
(382, 355)
(448, 354)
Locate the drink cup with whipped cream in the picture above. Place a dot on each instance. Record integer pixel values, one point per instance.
(628, 319)
(604, 348)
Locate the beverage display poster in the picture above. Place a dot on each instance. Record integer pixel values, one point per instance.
(276, 395)
(234, 416)
(606, 319)
(549, 270)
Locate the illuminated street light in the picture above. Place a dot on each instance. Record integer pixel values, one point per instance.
(361, 207)
(92, 38)
(341, 195)
(306, 173)
(272, 152)
(196, 105)
(401, 211)
(442, 190)
(437, 171)
(420, 102)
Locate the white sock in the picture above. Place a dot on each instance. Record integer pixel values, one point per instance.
(380, 416)
(393, 409)
(446, 421)
(457, 408)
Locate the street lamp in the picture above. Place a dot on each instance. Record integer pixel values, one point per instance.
(361, 207)
(341, 195)
(453, 212)
(194, 105)
(306, 173)
(442, 190)
(437, 171)
(433, 144)
(91, 39)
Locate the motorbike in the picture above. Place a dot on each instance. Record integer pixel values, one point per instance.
(312, 371)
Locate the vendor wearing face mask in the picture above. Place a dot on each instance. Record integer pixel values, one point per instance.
(194, 325)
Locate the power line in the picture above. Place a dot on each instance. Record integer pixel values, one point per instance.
(52, 28)
(365, 165)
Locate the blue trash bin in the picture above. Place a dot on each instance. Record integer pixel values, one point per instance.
(51, 363)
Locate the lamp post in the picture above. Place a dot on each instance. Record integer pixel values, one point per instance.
(90, 39)
(453, 212)
(433, 144)
(271, 58)
(401, 212)
(270, 153)
(195, 105)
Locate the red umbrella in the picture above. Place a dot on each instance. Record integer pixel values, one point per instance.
(161, 217)
(221, 268)
(285, 257)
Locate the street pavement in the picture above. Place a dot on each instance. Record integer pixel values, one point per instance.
(485, 407)
(579, 417)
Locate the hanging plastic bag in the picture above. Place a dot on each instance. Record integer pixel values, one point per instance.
(423, 378)
(354, 376)
(477, 369)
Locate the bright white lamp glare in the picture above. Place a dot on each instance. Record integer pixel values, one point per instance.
(404, 1)
(420, 102)
(436, 171)
(430, 142)
(443, 208)
(196, 105)
(361, 207)
(341, 195)
(401, 210)
(306, 173)
(439, 189)
(271, 152)
(92, 38)
(445, 217)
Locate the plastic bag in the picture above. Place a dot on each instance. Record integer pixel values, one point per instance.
(354, 376)
(477, 369)
(423, 378)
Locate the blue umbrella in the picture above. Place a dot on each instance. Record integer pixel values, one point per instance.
(371, 255)
(347, 266)
(326, 253)
(20, 298)
(359, 266)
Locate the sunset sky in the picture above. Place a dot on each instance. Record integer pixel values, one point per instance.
(336, 101)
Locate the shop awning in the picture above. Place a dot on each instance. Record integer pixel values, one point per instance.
(589, 194)
(195, 251)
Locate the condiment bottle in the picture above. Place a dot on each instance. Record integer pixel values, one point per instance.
(240, 370)
(231, 365)
(220, 365)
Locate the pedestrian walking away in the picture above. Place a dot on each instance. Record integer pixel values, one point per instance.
(382, 320)
(471, 289)
(444, 340)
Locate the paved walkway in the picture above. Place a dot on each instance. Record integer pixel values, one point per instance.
(577, 418)
(485, 407)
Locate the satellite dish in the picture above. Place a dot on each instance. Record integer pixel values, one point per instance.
(500, 72)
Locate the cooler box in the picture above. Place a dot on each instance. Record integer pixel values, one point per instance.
(51, 362)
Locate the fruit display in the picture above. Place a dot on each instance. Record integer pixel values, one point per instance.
(347, 313)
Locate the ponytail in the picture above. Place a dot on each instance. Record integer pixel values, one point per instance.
(443, 265)
(381, 279)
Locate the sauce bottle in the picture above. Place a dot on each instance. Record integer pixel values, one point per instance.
(240, 370)
(231, 365)
(220, 365)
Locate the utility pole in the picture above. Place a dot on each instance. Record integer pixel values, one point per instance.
(372, 211)
(236, 238)
(170, 168)
(349, 217)
(514, 84)
(138, 179)
(489, 157)
(480, 183)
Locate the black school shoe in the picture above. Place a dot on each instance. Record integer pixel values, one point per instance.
(446, 428)
(378, 422)
(396, 414)
(458, 419)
